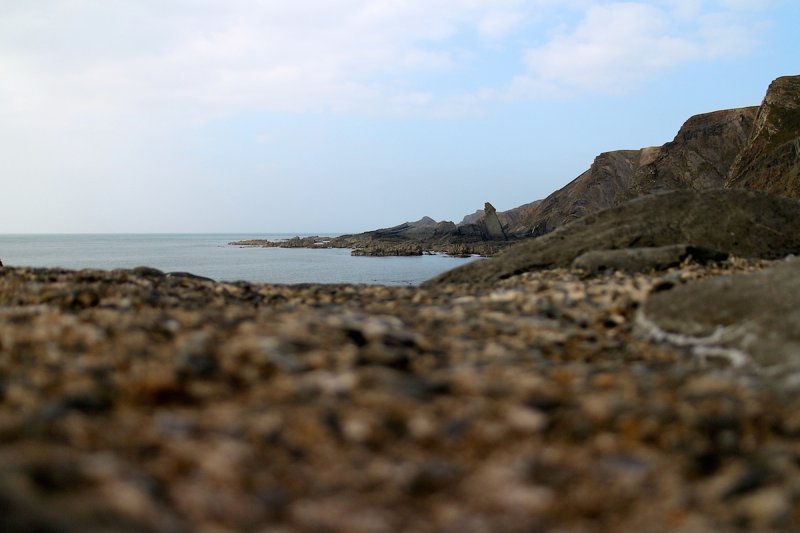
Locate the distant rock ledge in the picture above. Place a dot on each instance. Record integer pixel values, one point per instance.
(480, 234)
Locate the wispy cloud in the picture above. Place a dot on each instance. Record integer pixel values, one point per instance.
(616, 46)
(73, 59)
(109, 107)
(295, 56)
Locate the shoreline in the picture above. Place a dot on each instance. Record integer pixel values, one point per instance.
(213, 257)
(376, 247)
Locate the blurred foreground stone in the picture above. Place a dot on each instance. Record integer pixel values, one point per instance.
(139, 401)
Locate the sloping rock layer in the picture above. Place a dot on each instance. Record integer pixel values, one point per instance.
(771, 159)
(753, 318)
(743, 223)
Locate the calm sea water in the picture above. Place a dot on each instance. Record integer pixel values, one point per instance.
(212, 256)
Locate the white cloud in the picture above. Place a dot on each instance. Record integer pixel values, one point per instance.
(311, 55)
(616, 46)
(497, 25)
(69, 59)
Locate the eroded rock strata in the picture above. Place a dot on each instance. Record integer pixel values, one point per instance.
(744, 223)
(483, 235)
(771, 159)
(756, 148)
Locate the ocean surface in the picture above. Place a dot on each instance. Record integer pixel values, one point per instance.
(210, 255)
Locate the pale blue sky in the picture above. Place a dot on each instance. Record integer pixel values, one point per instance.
(348, 115)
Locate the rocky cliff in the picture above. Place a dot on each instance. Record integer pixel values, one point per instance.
(771, 159)
(596, 189)
(753, 147)
(699, 158)
(751, 224)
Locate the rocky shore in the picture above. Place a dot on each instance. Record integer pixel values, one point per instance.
(756, 148)
(371, 245)
(635, 367)
(479, 234)
(368, 246)
(143, 401)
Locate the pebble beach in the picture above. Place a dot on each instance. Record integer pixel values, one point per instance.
(134, 400)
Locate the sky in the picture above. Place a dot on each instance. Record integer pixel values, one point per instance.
(334, 116)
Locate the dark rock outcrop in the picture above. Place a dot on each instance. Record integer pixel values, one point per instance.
(424, 227)
(753, 148)
(483, 236)
(596, 189)
(383, 249)
(743, 223)
(645, 259)
(771, 159)
(491, 225)
(698, 158)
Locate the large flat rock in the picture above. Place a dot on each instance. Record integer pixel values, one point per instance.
(752, 318)
(743, 223)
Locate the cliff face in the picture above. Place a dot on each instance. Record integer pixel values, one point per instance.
(592, 191)
(752, 147)
(701, 154)
(770, 161)
(698, 158)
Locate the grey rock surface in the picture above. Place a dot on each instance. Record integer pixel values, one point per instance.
(700, 155)
(491, 224)
(752, 318)
(744, 223)
(645, 259)
(698, 158)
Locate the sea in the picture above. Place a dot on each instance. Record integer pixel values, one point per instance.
(211, 255)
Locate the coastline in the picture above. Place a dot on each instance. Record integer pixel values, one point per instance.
(211, 256)
(371, 246)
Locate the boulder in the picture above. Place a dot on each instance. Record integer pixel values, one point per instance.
(748, 318)
(645, 259)
(743, 223)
